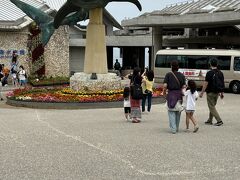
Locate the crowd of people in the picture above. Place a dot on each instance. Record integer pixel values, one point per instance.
(17, 74)
(140, 91)
(175, 90)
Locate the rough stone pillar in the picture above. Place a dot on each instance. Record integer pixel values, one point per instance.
(95, 53)
(157, 43)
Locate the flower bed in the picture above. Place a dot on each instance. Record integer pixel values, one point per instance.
(68, 95)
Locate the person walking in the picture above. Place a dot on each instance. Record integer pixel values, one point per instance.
(126, 103)
(135, 103)
(191, 97)
(174, 81)
(147, 85)
(214, 87)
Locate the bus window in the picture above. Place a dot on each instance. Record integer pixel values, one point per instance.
(171, 58)
(198, 62)
(223, 61)
(236, 66)
(182, 61)
(161, 61)
(164, 61)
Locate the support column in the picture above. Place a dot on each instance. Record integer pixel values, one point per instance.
(110, 57)
(150, 58)
(95, 53)
(157, 41)
(141, 56)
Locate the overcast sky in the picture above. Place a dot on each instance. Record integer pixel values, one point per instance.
(122, 10)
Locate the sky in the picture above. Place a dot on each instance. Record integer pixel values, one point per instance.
(123, 10)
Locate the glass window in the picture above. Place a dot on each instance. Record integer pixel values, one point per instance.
(224, 62)
(198, 62)
(236, 66)
(192, 61)
(182, 61)
(162, 61)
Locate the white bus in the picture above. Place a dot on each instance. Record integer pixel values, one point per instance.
(194, 64)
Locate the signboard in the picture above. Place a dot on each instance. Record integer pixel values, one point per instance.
(196, 74)
(7, 54)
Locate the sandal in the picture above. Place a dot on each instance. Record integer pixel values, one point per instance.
(135, 121)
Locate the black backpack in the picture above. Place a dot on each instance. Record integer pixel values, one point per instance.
(13, 71)
(136, 90)
(218, 81)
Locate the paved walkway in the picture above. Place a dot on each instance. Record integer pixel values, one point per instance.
(100, 144)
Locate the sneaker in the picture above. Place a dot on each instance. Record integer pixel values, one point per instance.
(187, 130)
(1, 99)
(208, 122)
(219, 123)
(195, 129)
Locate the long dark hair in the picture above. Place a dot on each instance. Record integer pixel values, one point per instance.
(150, 75)
(21, 67)
(192, 86)
(136, 71)
(136, 76)
(126, 92)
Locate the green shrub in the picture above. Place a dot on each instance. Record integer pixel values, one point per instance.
(50, 81)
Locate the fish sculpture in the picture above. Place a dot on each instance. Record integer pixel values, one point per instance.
(72, 12)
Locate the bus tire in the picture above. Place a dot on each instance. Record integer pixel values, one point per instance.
(236, 87)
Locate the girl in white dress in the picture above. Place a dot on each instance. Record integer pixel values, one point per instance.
(191, 97)
(126, 103)
(22, 76)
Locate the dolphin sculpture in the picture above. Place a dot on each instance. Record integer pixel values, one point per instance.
(46, 22)
(70, 13)
(73, 5)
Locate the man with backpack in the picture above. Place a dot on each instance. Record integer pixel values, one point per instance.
(214, 86)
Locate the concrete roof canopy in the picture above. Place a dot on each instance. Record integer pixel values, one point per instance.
(9, 12)
(12, 18)
(191, 14)
(55, 4)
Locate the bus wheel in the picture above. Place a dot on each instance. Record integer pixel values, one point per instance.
(236, 88)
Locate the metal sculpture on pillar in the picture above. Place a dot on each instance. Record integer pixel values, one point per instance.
(70, 13)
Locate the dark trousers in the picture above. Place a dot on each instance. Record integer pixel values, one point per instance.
(4, 80)
(147, 97)
(212, 102)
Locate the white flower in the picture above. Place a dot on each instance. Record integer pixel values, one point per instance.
(23, 98)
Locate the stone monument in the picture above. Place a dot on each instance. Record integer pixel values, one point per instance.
(95, 59)
(95, 76)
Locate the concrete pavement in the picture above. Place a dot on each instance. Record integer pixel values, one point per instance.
(100, 144)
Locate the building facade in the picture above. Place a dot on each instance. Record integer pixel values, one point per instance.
(194, 25)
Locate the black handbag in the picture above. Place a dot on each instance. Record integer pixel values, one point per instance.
(147, 91)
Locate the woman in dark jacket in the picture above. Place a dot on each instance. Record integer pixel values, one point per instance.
(135, 103)
(174, 81)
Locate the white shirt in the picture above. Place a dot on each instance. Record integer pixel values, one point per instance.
(126, 102)
(191, 99)
(22, 75)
